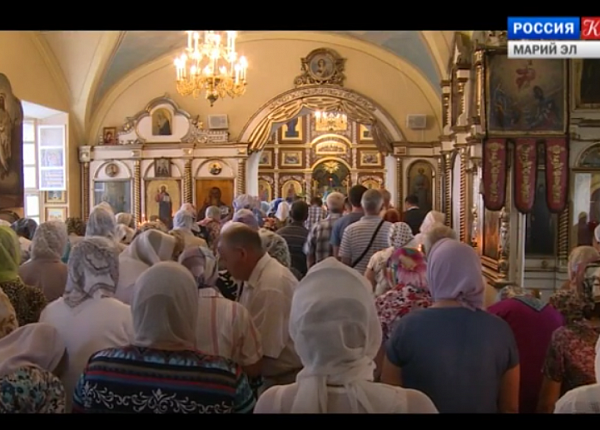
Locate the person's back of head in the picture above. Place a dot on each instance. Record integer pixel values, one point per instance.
(392, 215)
(412, 201)
(437, 232)
(240, 248)
(299, 211)
(213, 212)
(335, 202)
(355, 195)
(316, 201)
(387, 196)
(372, 202)
(247, 217)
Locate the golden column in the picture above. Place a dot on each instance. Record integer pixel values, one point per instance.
(439, 184)
(241, 177)
(187, 182)
(399, 181)
(84, 159)
(464, 200)
(563, 236)
(137, 190)
(448, 187)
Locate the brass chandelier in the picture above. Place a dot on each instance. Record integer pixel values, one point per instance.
(330, 121)
(210, 64)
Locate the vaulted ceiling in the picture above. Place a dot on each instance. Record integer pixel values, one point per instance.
(91, 63)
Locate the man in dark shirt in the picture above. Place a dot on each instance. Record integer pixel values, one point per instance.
(413, 216)
(295, 235)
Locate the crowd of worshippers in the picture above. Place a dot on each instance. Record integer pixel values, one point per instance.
(344, 306)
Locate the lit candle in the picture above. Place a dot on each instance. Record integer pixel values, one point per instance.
(196, 37)
(237, 73)
(189, 39)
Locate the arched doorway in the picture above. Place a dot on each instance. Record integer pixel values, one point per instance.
(279, 118)
(329, 176)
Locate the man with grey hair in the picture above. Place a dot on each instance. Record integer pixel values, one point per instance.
(367, 236)
(318, 243)
(438, 232)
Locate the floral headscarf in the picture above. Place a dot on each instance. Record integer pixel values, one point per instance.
(276, 247)
(8, 316)
(407, 266)
(75, 226)
(572, 305)
(579, 259)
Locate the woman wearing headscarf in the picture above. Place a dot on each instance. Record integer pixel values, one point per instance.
(212, 226)
(25, 229)
(31, 358)
(8, 316)
(76, 232)
(185, 223)
(149, 225)
(124, 234)
(148, 249)
(45, 270)
(336, 334)
(569, 361)
(431, 220)
(457, 350)
(126, 219)
(28, 301)
(88, 317)
(102, 223)
(399, 236)
(532, 322)
(225, 328)
(165, 318)
(406, 270)
(585, 399)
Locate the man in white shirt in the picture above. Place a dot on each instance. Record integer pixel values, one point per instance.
(267, 294)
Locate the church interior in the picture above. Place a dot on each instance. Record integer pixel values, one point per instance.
(508, 150)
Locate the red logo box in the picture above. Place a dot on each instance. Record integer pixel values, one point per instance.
(590, 27)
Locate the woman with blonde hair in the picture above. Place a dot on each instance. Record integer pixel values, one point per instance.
(336, 333)
(45, 270)
(432, 219)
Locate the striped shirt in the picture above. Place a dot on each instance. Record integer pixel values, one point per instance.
(357, 236)
(318, 243)
(145, 380)
(295, 235)
(315, 216)
(225, 329)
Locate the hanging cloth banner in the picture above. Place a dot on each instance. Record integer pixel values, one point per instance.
(525, 173)
(495, 167)
(557, 173)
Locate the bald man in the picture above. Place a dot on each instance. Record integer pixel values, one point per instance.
(267, 294)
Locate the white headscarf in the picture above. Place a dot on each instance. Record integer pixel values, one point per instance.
(124, 233)
(399, 235)
(185, 220)
(37, 344)
(101, 223)
(585, 399)
(336, 333)
(431, 218)
(126, 219)
(149, 248)
(165, 308)
(49, 240)
(93, 271)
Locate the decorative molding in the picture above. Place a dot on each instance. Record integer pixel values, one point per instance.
(399, 181)
(187, 182)
(563, 237)
(439, 183)
(333, 76)
(464, 203)
(85, 198)
(137, 190)
(448, 187)
(504, 244)
(241, 177)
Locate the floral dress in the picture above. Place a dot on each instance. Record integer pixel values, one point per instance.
(398, 302)
(31, 390)
(28, 301)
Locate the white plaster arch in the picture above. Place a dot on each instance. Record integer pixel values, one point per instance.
(98, 173)
(178, 174)
(408, 70)
(227, 173)
(439, 44)
(580, 155)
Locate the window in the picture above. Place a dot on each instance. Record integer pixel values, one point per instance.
(30, 171)
(51, 153)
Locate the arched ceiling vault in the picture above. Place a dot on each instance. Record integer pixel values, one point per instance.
(90, 64)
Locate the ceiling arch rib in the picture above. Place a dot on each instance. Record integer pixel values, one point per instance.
(103, 103)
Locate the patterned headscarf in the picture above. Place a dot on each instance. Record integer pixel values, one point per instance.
(276, 247)
(75, 226)
(203, 265)
(8, 316)
(93, 271)
(572, 305)
(10, 255)
(407, 266)
(399, 235)
(125, 219)
(49, 241)
(102, 223)
(245, 201)
(579, 259)
(25, 227)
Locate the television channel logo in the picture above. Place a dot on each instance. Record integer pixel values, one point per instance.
(545, 28)
(590, 28)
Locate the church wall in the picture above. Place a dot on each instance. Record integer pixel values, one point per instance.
(273, 66)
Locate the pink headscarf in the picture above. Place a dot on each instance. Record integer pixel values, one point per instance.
(454, 273)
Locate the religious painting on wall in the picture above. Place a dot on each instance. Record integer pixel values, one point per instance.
(491, 234)
(525, 97)
(291, 159)
(420, 183)
(266, 158)
(109, 136)
(265, 191)
(586, 91)
(586, 207)
(329, 176)
(163, 199)
(364, 133)
(162, 168)
(369, 159)
(162, 122)
(116, 193)
(291, 188)
(292, 131)
(541, 224)
(11, 147)
(214, 192)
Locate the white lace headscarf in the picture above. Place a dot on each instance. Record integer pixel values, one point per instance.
(336, 333)
(93, 271)
(185, 220)
(49, 241)
(165, 308)
(126, 219)
(399, 235)
(102, 223)
(432, 218)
